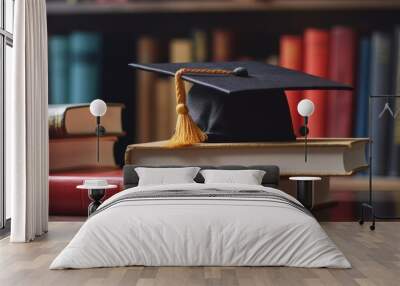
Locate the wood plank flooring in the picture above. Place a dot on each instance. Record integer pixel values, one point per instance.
(375, 257)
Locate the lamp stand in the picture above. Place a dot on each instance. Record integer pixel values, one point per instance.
(304, 132)
(100, 131)
(305, 138)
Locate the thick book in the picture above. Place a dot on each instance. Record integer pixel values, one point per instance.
(380, 78)
(71, 120)
(85, 66)
(363, 86)
(147, 52)
(222, 45)
(81, 152)
(326, 157)
(65, 199)
(58, 69)
(341, 69)
(291, 57)
(316, 62)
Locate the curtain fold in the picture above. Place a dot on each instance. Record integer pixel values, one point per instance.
(27, 123)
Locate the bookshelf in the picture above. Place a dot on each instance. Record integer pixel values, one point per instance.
(258, 25)
(167, 6)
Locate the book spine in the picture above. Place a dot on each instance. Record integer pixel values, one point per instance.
(85, 66)
(291, 57)
(147, 52)
(341, 69)
(164, 110)
(200, 46)
(58, 69)
(380, 86)
(363, 88)
(57, 126)
(222, 45)
(316, 57)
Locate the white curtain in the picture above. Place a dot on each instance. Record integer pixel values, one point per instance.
(27, 125)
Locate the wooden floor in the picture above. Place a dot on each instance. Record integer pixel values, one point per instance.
(375, 257)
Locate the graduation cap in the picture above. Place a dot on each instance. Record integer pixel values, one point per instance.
(234, 101)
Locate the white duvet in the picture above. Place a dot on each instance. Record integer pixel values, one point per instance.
(200, 231)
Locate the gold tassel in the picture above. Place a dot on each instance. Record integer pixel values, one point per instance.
(186, 131)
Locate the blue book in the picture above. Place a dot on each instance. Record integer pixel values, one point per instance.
(85, 66)
(380, 80)
(363, 88)
(58, 69)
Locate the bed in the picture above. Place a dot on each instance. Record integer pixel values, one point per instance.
(201, 224)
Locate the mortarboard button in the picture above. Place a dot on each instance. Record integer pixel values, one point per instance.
(240, 71)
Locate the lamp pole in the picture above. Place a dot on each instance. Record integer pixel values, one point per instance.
(98, 108)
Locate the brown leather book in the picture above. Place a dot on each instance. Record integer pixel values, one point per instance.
(147, 52)
(75, 120)
(164, 110)
(75, 153)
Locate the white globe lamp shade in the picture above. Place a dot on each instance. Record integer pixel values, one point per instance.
(305, 108)
(98, 107)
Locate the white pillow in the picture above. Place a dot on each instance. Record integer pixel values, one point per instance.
(165, 176)
(248, 177)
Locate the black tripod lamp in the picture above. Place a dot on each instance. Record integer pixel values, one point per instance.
(98, 108)
(305, 108)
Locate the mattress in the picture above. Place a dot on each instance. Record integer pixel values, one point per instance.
(201, 225)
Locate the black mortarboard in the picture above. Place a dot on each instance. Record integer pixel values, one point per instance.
(235, 101)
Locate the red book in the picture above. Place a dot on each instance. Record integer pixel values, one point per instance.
(342, 69)
(291, 57)
(65, 199)
(316, 62)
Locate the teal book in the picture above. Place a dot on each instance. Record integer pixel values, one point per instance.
(85, 66)
(58, 69)
(381, 107)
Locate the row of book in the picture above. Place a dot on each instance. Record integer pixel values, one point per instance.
(75, 67)
(368, 62)
(155, 95)
(73, 140)
(371, 64)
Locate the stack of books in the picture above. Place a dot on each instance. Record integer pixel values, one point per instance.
(73, 138)
(73, 154)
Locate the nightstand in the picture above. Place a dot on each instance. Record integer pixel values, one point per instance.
(96, 192)
(305, 190)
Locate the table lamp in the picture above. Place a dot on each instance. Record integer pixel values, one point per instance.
(98, 108)
(305, 108)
